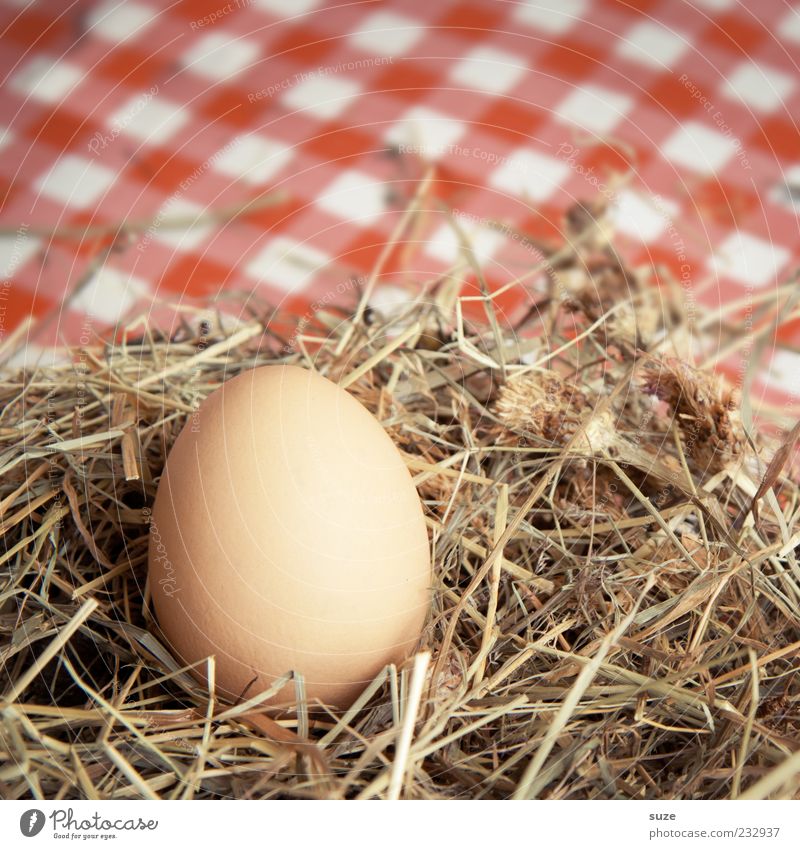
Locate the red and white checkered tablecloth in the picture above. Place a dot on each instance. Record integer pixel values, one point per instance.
(144, 111)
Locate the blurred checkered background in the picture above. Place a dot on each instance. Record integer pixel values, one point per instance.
(325, 117)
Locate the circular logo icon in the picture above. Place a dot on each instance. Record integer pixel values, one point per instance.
(31, 822)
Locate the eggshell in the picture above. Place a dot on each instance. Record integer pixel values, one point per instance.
(287, 534)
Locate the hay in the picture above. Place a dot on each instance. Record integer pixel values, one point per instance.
(612, 618)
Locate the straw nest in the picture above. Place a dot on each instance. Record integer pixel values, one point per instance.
(616, 586)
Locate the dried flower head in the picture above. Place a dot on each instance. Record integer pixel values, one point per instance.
(634, 325)
(605, 286)
(552, 408)
(705, 410)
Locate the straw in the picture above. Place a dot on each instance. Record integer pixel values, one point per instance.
(616, 600)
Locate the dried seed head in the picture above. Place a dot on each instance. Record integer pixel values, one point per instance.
(634, 325)
(554, 409)
(705, 410)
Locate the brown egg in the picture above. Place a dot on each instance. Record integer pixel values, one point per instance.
(287, 534)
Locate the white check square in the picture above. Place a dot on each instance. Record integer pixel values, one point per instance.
(354, 196)
(653, 44)
(490, 70)
(286, 264)
(252, 158)
(75, 181)
(218, 56)
(426, 132)
(699, 148)
(150, 119)
(109, 295)
(387, 34)
(759, 87)
(552, 16)
(324, 97)
(120, 20)
(750, 260)
(46, 79)
(530, 175)
(593, 108)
